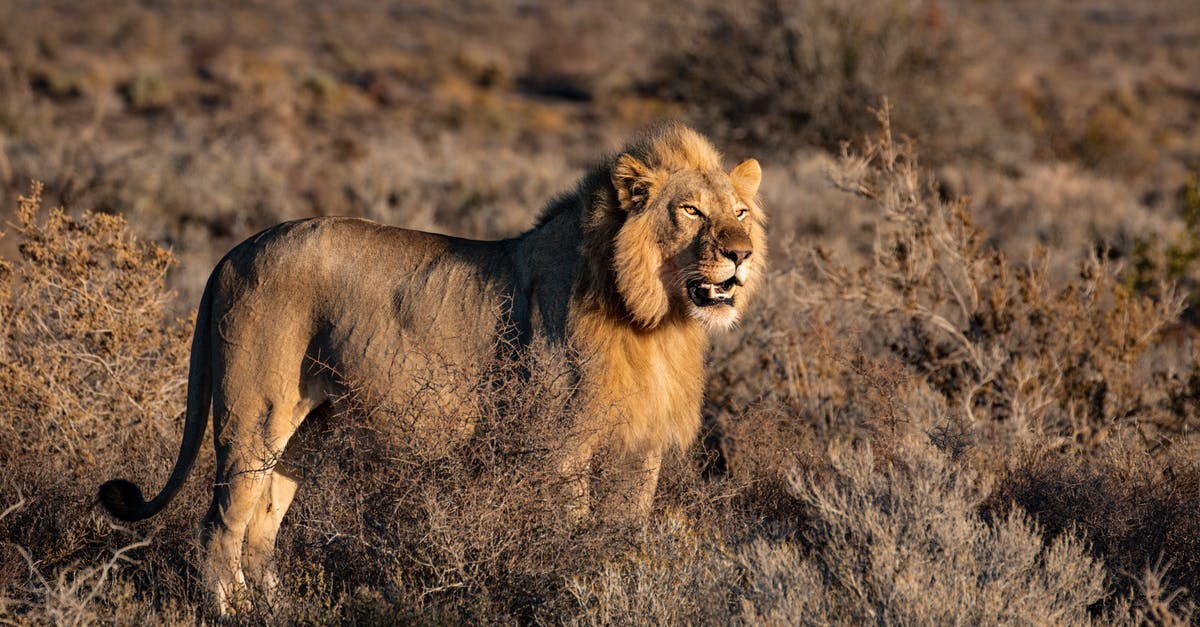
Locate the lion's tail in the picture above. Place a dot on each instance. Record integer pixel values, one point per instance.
(122, 498)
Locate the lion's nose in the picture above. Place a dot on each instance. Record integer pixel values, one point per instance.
(738, 255)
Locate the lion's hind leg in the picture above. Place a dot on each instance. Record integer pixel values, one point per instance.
(313, 413)
(239, 485)
(264, 528)
(247, 454)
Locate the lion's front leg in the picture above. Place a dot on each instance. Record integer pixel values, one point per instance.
(630, 482)
(642, 470)
(574, 476)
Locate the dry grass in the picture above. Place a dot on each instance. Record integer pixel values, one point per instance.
(969, 393)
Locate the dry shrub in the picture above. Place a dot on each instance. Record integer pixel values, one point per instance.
(1061, 213)
(780, 75)
(87, 347)
(1160, 603)
(83, 594)
(1014, 353)
(871, 542)
(1035, 382)
(680, 572)
(893, 545)
(1137, 511)
(90, 364)
(944, 358)
(448, 523)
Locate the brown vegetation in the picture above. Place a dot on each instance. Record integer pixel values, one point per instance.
(945, 409)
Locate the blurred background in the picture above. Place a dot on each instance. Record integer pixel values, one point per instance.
(1071, 125)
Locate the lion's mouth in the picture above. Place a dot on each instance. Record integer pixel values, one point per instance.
(712, 294)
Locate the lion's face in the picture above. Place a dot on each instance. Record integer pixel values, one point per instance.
(700, 232)
(707, 244)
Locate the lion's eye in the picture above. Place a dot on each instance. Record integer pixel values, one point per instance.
(741, 214)
(691, 211)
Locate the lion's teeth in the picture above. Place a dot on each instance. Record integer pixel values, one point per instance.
(716, 292)
(713, 291)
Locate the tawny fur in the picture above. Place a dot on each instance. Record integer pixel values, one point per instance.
(620, 274)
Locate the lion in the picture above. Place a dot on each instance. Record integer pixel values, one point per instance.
(627, 274)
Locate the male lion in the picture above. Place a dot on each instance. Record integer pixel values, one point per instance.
(624, 275)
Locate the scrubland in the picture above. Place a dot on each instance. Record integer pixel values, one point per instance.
(968, 394)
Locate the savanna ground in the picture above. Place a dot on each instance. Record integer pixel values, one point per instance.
(970, 393)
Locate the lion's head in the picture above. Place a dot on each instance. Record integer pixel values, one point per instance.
(691, 239)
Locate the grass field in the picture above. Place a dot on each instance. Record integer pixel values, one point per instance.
(968, 394)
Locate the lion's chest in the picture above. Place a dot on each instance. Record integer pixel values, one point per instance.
(648, 386)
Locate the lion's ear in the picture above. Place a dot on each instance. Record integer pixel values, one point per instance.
(633, 181)
(746, 177)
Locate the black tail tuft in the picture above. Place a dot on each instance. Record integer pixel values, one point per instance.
(123, 499)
